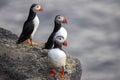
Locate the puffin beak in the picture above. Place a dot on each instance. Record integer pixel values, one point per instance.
(41, 8)
(65, 20)
(65, 43)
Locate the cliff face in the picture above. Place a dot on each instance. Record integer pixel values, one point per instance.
(25, 62)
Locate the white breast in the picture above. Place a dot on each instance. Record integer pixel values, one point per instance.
(36, 24)
(62, 32)
(57, 57)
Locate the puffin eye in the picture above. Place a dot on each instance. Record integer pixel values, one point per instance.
(59, 38)
(59, 17)
(37, 6)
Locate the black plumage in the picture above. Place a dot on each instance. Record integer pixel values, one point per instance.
(28, 26)
(49, 44)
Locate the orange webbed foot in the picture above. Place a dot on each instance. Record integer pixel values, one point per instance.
(53, 72)
(62, 75)
(32, 42)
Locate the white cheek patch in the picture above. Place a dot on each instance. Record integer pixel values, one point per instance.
(62, 18)
(38, 8)
(59, 39)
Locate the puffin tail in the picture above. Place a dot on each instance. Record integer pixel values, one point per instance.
(18, 42)
(21, 39)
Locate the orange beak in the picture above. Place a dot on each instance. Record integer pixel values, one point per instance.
(65, 21)
(65, 43)
(41, 8)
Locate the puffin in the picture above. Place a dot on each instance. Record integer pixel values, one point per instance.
(30, 25)
(58, 30)
(57, 56)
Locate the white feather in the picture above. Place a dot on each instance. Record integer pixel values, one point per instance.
(62, 32)
(36, 24)
(57, 57)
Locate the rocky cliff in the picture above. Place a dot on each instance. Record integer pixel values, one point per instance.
(25, 62)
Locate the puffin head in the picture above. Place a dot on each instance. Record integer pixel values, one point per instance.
(60, 40)
(36, 7)
(60, 19)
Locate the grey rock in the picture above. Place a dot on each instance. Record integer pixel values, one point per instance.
(25, 62)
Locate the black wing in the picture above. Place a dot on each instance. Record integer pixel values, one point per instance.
(50, 42)
(26, 32)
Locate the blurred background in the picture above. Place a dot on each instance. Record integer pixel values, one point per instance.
(93, 31)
